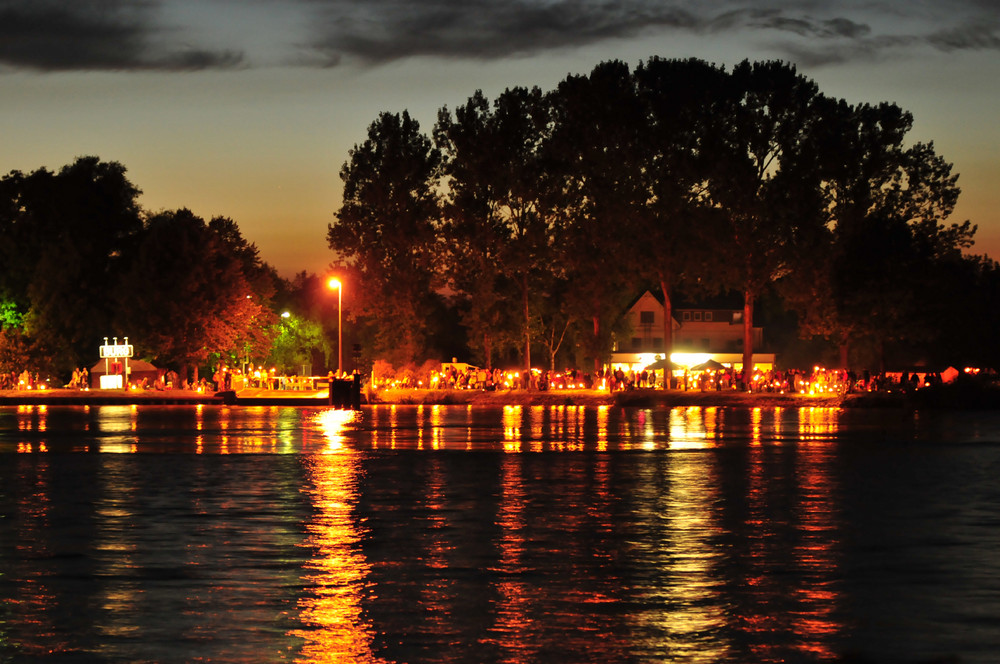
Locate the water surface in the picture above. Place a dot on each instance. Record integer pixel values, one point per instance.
(521, 534)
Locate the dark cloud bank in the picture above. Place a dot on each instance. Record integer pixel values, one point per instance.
(54, 35)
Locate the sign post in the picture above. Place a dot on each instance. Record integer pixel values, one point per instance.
(115, 351)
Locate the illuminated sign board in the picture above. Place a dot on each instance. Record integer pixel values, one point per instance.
(116, 350)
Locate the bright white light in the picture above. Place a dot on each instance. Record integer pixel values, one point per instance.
(689, 359)
(333, 423)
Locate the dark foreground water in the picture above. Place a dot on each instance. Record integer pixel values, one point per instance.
(457, 534)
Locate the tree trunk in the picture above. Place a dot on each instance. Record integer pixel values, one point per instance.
(527, 334)
(597, 343)
(488, 351)
(747, 339)
(668, 334)
(844, 353)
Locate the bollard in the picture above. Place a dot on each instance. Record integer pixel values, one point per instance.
(345, 392)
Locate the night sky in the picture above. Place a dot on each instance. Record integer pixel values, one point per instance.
(247, 108)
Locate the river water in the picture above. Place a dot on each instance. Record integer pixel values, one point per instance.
(517, 535)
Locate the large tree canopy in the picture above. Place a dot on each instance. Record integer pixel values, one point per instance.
(766, 184)
(499, 223)
(63, 239)
(599, 153)
(559, 206)
(385, 229)
(185, 293)
(889, 244)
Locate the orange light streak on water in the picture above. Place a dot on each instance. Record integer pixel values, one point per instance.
(334, 626)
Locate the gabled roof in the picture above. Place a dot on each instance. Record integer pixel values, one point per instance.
(133, 365)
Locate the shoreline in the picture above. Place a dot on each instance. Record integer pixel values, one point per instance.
(592, 398)
(957, 397)
(642, 398)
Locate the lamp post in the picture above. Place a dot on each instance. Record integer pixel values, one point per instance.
(334, 283)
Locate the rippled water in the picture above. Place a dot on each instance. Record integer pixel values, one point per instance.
(535, 534)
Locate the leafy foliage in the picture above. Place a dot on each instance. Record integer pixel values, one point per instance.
(385, 229)
(204, 302)
(295, 340)
(63, 237)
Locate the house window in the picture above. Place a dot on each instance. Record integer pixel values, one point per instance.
(657, 343)
(686, 315)
(646, 317)
(697, 315)
(708, 316)
(636, 343)
(705, 343)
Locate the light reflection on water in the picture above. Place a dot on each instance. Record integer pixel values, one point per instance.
(521, 534)
(334, 627)
(281, 430)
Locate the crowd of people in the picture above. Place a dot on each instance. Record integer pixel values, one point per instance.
(25, 380)
(818, 380)
(28, 380)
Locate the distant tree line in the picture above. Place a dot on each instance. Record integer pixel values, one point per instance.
(520, 229)
(542, 214)
(80, 261)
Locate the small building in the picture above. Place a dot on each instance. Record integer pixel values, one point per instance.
(699, 335)
(138, 370)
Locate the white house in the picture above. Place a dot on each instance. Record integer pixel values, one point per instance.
(699, 335)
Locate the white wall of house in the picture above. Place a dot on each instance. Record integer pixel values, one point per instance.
(694, 330)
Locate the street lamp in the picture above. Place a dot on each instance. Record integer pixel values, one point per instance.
(334, 283)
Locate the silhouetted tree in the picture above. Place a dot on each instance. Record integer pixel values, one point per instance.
(598, 153)
(499, 210)
(766, 182)
(386, 229)
(63, 239)
(474, 232)
(674, 234)
(889, 248)
(185, 296)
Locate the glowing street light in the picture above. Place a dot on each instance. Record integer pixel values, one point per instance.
(334, 283)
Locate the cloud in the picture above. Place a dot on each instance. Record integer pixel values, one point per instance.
(186, 35)
(807, 31)
(799, 24)
(49, 35)
(966, 38)
(384, 30)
